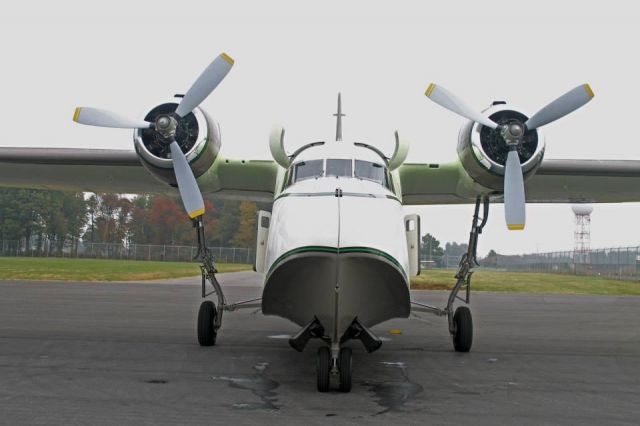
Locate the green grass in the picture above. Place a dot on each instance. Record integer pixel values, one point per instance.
(49, 268)
(34, 268)
(525, 282)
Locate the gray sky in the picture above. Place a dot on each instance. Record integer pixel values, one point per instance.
(293, 57)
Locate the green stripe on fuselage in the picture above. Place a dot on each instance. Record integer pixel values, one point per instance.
(337, 251)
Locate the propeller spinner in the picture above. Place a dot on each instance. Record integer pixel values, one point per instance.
(512, 133)
(165, 125)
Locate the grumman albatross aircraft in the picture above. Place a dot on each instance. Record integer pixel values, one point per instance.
(336, 250)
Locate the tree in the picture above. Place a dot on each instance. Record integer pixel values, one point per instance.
(228, 223)
(168, 222)
(491, 260)
(454, 249)
(140, 230)
(245, 236)
(57, 216)
(431, 247)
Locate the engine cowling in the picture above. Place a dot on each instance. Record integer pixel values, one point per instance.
(197, 134)
(483, 152)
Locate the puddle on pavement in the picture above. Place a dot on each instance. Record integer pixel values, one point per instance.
(392, 396)
(260, 385)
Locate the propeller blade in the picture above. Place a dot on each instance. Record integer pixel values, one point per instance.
(205, 84)
(514, 199)
(187, 185)
(103, 118)
(448, 100)
(569, 102)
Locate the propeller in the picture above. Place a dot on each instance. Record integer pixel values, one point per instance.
(104, 118)
(512, 133)
(165, 125)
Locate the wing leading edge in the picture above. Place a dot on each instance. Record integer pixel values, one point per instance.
(556, 181)
(120, 171)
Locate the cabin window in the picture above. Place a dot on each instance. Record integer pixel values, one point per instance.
(370, 171)
(308, 170)
(339, 168)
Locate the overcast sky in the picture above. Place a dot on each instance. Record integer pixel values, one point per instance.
(292, 58)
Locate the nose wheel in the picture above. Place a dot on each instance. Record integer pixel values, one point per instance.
(338, 367)
(344, 366)
(323, 369)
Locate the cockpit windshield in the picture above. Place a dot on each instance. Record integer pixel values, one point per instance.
(308, 170)
(339, 168)
(370, 171)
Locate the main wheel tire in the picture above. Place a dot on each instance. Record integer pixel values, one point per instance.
(463, 335)
(323, 368)
(344, 364)
(206, 317)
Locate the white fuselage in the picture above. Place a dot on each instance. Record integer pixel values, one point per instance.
(336, 248)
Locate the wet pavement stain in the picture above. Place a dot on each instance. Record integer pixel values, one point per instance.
(260, 385)
(394, 395)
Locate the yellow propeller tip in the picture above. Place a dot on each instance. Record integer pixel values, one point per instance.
(515, 227)
(395, 331)
(196, 213)
(589, 91)
(430, 90)
(227, 58)
(76, 114)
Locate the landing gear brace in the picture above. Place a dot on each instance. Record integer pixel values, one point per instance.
(460, 322)
(210, 314)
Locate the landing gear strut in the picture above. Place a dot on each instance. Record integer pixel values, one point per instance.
(210, 314)
(460, 321)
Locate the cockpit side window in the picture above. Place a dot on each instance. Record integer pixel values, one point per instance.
(339, 168)
(371, 171)
(307, 170)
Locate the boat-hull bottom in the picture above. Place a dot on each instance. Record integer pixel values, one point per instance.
(336, 288)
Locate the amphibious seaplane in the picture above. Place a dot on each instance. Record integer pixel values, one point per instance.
(336, 250)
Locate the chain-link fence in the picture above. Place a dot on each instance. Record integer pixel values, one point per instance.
(619, 262)
(81, 249)
(444, 261)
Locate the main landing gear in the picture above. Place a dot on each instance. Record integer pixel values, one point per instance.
(210, 313)
(460, 321)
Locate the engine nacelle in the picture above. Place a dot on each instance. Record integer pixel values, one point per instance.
(483, 152)
(197, 134)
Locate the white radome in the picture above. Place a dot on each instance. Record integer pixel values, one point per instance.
(582, 209)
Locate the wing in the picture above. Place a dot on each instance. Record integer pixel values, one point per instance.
(556, 181)
(100, 170)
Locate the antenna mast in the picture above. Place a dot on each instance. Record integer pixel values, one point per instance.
(339, 116)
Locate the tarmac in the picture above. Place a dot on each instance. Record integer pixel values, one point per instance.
(127, 353)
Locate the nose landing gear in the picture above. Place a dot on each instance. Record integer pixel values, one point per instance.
(338, 367)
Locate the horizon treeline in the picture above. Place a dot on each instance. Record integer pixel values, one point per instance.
(67, 217)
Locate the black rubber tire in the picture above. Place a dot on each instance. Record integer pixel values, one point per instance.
(344, 364)
(206, 316)
(323, 368)
(463, 336)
